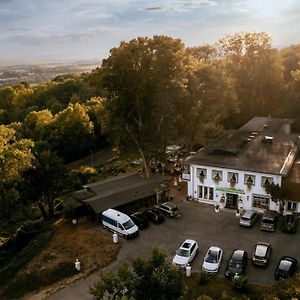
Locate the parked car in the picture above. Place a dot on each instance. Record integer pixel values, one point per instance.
(249, 218)
(169, 209)
(155, 216)
(237, 263)
(289, 223)
(140, 220)
(286, 267)
(261, 254)
(185, 254)
(268, 220)
(212, 260)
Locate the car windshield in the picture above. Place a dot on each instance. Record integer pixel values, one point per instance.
(174, 209)
(183, 252)
(245, 218)
(235, 263)
(211, 257)
(128, 224)
(267, 221)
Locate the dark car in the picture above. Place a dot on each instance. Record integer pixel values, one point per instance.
(289, 223)
(286, 267)
(261, 254)
(155, 216)
(169, 209)
(237, 263)
(140, 220)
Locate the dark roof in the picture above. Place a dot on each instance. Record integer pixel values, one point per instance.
(291, 184)
(117, 191)
(245, 149)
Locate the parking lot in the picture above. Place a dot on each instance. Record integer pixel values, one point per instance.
(201, 223)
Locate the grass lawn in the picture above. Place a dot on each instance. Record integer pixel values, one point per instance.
(54, 263)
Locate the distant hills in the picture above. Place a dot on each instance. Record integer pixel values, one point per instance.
(38, 73)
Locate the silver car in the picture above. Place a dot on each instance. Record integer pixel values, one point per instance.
(249, 218)
(169, 209)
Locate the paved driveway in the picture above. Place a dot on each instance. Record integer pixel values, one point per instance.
(201, 223)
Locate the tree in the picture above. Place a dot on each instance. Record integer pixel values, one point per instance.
(145, 80)
(277, 194)
(71, 132)
(146, 279)
(256, 70)
(45, 181)
(15, 159)
(209, 101)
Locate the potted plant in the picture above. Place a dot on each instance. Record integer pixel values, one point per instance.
(217, 177)
(249, 182)
(232, 180)
(201, 176)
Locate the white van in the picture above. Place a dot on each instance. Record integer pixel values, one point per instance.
(120, 223)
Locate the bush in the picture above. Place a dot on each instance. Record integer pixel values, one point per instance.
(240, 283)
(203, 278)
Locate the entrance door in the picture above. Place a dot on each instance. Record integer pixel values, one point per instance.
(231, 201)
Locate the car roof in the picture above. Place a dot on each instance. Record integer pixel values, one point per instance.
(249, 213)
(238, 254)
(261, 249)
(214, 249)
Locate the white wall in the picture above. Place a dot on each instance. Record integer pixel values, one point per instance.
(245, 195)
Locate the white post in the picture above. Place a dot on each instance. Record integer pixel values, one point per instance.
(115, 238)
(77, 265)
(188, 271)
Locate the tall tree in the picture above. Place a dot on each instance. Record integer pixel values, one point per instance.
(45, 181)
(255, 68)
(145, 78)
(15, 159)
(71, 132)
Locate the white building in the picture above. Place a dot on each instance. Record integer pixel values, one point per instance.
(232, 172)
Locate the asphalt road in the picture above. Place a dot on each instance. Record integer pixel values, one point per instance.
(201, 223)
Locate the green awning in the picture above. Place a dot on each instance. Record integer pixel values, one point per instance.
(231, 190)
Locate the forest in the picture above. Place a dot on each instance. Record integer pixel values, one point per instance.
(148, 93)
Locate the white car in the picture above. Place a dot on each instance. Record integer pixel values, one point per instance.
(185, 254)
(212, 260)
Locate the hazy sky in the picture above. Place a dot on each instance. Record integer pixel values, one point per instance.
(87, 29)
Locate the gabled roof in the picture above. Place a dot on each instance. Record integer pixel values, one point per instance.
(117, 191)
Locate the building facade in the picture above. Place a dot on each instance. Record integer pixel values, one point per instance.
(233, 172)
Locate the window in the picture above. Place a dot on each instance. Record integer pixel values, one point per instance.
(233, 177)
(205, 192)
(260, 201)
(266, 181)
(201, 173)
(291, 206)
(216, 175)
(249, 179)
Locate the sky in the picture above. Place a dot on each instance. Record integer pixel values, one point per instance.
(58, 30)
